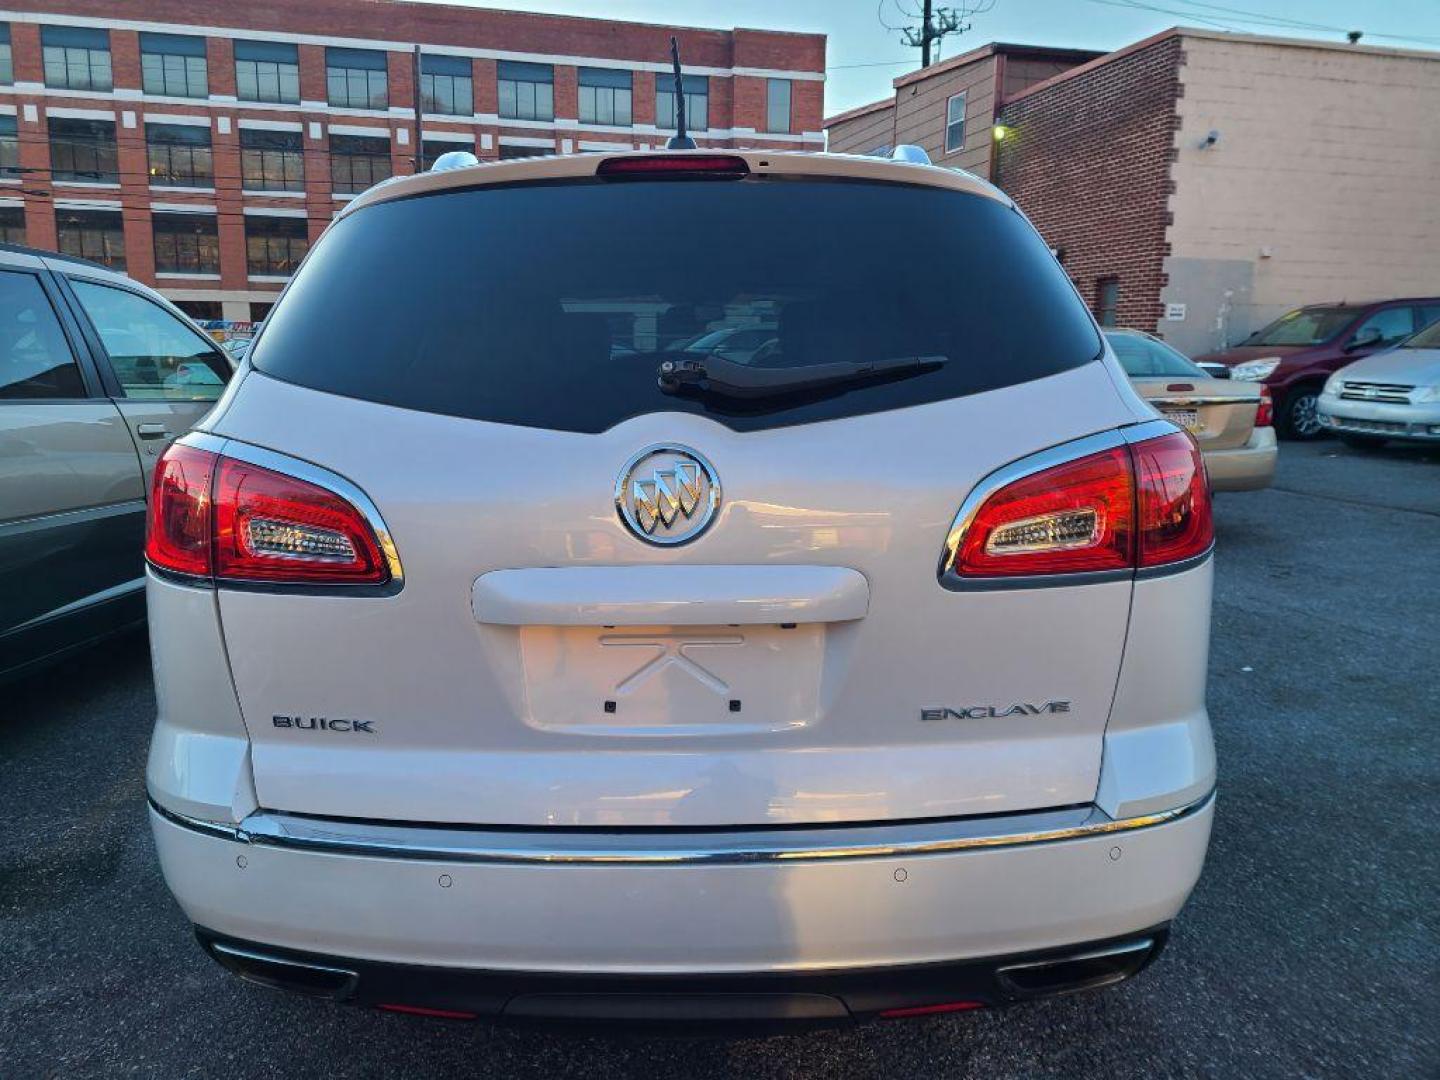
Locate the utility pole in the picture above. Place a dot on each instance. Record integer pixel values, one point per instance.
(415, 84)
(935, 23)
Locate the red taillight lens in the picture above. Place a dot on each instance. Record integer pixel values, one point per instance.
(1137, 505)
(1174, 500)
(1074, 517)
(675, 166)
(931, 1010)
(273, 527)
(1265, 412)
(220, 517)
(177, 535)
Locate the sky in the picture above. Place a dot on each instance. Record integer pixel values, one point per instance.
(862, 56)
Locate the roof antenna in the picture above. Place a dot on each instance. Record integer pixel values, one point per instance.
(680, 140)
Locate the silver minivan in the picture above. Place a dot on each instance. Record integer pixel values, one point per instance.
(516, 660)
(98, 374)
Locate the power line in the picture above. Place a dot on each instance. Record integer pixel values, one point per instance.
(1256, 18)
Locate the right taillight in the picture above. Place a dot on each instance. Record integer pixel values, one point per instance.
(1265, 411)
(1125, 507)
(230, 520)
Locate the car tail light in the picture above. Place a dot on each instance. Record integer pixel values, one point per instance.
(674, 166)
(1134, 505)
(931, 1010)
(1073, 517)
(177, 535)
(222, 517)
(1173, 496)
(1265, 412)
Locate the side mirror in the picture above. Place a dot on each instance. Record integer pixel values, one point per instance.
(1363, 340)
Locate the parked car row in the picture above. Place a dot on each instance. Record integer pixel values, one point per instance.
(1297, 354)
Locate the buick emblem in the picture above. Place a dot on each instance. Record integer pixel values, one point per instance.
(667, 494)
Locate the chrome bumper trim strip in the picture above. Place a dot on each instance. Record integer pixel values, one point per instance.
(684, 848)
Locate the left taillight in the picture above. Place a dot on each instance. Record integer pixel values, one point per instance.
(231, 520)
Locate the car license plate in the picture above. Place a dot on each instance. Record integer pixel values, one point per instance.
(1189, 419)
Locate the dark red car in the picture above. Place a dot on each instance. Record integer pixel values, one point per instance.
(1297, 352)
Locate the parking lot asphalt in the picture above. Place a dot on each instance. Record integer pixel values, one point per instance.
(1310, 948)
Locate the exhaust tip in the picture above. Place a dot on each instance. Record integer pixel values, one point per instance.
(284, 973)
(1088, 970)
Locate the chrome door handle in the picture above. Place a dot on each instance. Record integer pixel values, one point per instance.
(152, 431)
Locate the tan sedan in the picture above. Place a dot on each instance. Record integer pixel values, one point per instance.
(1231, 421)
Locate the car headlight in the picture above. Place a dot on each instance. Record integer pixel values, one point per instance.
(1255, 370)
(1423, 395)
(1332, 385)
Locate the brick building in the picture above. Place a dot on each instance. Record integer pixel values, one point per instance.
(201, 146)
(1196, 184)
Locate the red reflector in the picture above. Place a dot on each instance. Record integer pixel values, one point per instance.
(1174, 500)
(1074, 517)
(1179, 387)
(273, 527)
(177, 534)
(932, 1010)
(1265, 411)
(421, 1010)
(675, 165)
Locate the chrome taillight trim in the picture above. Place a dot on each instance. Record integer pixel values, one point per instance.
(321, 477)
(1029, 466)
(551, 846)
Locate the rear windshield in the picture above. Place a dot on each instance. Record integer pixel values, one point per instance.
(553, 305)
(1143, 357)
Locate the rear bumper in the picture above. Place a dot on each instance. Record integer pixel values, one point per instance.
(800, 910)
(1383, 420)
(805, 997)
(1245, 468)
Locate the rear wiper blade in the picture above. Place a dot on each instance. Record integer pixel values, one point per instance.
(717, 375)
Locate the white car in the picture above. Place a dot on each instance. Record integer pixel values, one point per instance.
(505, 673)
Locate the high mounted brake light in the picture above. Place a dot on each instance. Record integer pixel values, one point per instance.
(219, 517)
(1122, 508)
(674, 167)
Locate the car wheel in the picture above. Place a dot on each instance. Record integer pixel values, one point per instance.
(1364, 442)
(1299, 416)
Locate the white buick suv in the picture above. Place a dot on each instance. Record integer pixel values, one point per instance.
(519, 657)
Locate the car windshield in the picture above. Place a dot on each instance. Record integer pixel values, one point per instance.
(554, 305)
(1305, 326)
(1429, 338)
(1144, 357)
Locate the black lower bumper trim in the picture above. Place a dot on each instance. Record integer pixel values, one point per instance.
(782, 998)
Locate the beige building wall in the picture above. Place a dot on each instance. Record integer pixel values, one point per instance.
(1323, 182)
(920, 110)
(863, 131)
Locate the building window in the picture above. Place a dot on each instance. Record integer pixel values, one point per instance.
(955, 124)
(76, 58)
(202, 311)
(446, 86)
(430, 149)
(527, 91)
(697, 102)
(83, 150)
(357, 162)
(179, 155)
(173, 65)
(274, 246)
(260, 310)
(267, 71)
(98, 235)
(777, 105)
(9, 148)
(7, 65)
(186, 244)
(355, 79)
(1107, 301)
(12, 225)
(508, 152)
(271, 160)
(605, 96)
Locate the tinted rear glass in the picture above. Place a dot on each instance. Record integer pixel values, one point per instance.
(553, 305)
